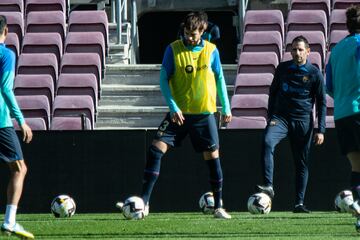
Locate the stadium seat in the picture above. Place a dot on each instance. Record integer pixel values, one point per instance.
(257, 62)
(82, 63)
(264, 20)
(53, 21)
(316, 41)
(35, 106)
(336, 36)
(15, 23)
(43, 43)
(38, 63)
(250, 83)
(324, 5)
(89, 42)
(338, 20)
(78, 84)
(35, 84)
(74, 106)
(249, 105)
(90, 21)
(269, 41)
(251, 122)
(70, 123)
(343, 4)
(12, 42)
(36, 124)
(45, 5)
(314, 58)
(12, 6)
(309, 20)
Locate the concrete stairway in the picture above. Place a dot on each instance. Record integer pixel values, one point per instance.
(131, 96)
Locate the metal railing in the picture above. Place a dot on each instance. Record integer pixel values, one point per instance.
(242, 10)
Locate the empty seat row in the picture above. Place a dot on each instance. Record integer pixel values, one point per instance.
(33, 5)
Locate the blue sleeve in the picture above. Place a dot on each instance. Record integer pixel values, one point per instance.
(329, 82)
(167, 69)
(358, 48)
(321, 103)
(220, 82)
(6, 85)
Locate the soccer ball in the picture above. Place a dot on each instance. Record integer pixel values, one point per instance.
(207, 203)
(134, 208)
(259, 203)
(63, 206)
(343, 200)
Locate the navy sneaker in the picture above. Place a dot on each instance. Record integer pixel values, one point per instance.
(266, 189)
(301, 209)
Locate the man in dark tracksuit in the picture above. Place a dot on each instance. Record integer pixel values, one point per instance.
(296, 86)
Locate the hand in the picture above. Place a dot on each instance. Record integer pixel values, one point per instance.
(177, 118)
(27, 133)
(227, 118)
(318, 138)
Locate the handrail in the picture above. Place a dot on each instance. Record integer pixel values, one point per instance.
(242, 10)
(121, 15)
(134, 38)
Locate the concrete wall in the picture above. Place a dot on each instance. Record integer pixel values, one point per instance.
(99, 168)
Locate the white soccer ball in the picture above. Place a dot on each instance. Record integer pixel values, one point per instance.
(343, 200)
(259, 203)
(134, 208)
(207, 203)
(63, 206)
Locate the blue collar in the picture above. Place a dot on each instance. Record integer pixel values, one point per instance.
(301, 67)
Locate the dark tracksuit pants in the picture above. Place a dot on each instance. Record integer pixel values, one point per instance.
(300, 136)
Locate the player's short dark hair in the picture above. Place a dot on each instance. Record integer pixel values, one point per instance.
(3, 23)
(195, 20)
(301, 38)
(353, 19)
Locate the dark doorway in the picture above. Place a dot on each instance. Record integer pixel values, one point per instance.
(158, 29)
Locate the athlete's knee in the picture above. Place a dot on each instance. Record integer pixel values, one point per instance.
(18, 167)
(211, 154)
(160, 145)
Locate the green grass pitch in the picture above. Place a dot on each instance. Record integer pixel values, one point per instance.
(243, 225)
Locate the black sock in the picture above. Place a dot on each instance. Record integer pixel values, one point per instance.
(216, 180)
(151, 172)
(355, 184)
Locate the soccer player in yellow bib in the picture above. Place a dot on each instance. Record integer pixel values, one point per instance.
(190, 78)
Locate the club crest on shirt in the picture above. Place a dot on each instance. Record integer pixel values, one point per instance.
(189, 69)
(305, 78)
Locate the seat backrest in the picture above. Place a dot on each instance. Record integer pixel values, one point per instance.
(36, 124)
(309, 20)
(343, 4)
(45, 5)
(35, 106)
(90, 21)
(315, 38)
(324, 5)
(78, 84)
(314, 58)
(74, 106)
(43, 43)
(336, 36)
(264, 20)
(12, 42)
(250, 83)
(12, 6)
(38, 63)
(35, 84)
(338, 20)
(249, 105)
(15, 23)
(53, 21)
(248, 122)
(269, 41)
(70, 123)
(82, 63)
(257, 62)
(86, 42)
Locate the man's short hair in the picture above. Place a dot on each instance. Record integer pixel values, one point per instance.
(301, 38)
(196, 21)
(353, 19)
(3, 24)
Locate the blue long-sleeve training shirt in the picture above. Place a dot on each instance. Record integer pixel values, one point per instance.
(168, 68)
(8, 104)
(294, 91)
